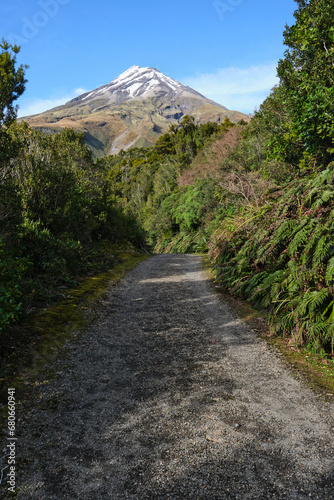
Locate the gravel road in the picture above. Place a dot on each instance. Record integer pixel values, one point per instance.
(170, 396)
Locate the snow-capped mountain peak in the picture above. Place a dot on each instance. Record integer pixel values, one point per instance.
(136, 82)
(133, 110)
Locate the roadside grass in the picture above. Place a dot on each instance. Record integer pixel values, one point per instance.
(39, 340)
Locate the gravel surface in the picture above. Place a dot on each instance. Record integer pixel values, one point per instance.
(170, 396)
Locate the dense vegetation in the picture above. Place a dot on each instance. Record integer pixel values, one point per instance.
(57, 221)
(146, 183)
(266, 209)
(259, 197)
(280, 254)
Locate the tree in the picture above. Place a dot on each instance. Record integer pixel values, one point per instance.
(307, 75)
(12, 82)
(12, 85)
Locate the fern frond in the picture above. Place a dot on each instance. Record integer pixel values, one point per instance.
(283, 232)
(322, 251)
(325, 197)
(314, 239)
(299, 239)
(330, 307)
(314, 300)
(330, 271)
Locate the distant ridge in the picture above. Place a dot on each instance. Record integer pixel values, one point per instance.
(132, 110)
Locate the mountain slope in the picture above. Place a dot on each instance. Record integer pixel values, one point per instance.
(133, 110)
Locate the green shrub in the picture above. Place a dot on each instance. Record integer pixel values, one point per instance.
(11, 276)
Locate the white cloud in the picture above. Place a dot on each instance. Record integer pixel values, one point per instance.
(34, 106)
(236, 88)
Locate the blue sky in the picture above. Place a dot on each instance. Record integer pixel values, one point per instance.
(227, 50)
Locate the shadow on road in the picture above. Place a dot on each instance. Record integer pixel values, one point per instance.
(145, 405)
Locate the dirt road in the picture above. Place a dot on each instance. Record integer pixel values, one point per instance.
(169, 396)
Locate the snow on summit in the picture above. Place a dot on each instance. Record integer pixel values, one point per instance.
(136, 73)
(136, 82)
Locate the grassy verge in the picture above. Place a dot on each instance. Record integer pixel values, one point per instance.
(39, 340)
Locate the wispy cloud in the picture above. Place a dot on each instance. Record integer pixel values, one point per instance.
(34, 106)
(242, 89)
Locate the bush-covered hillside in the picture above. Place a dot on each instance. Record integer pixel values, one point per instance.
(259, 197)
